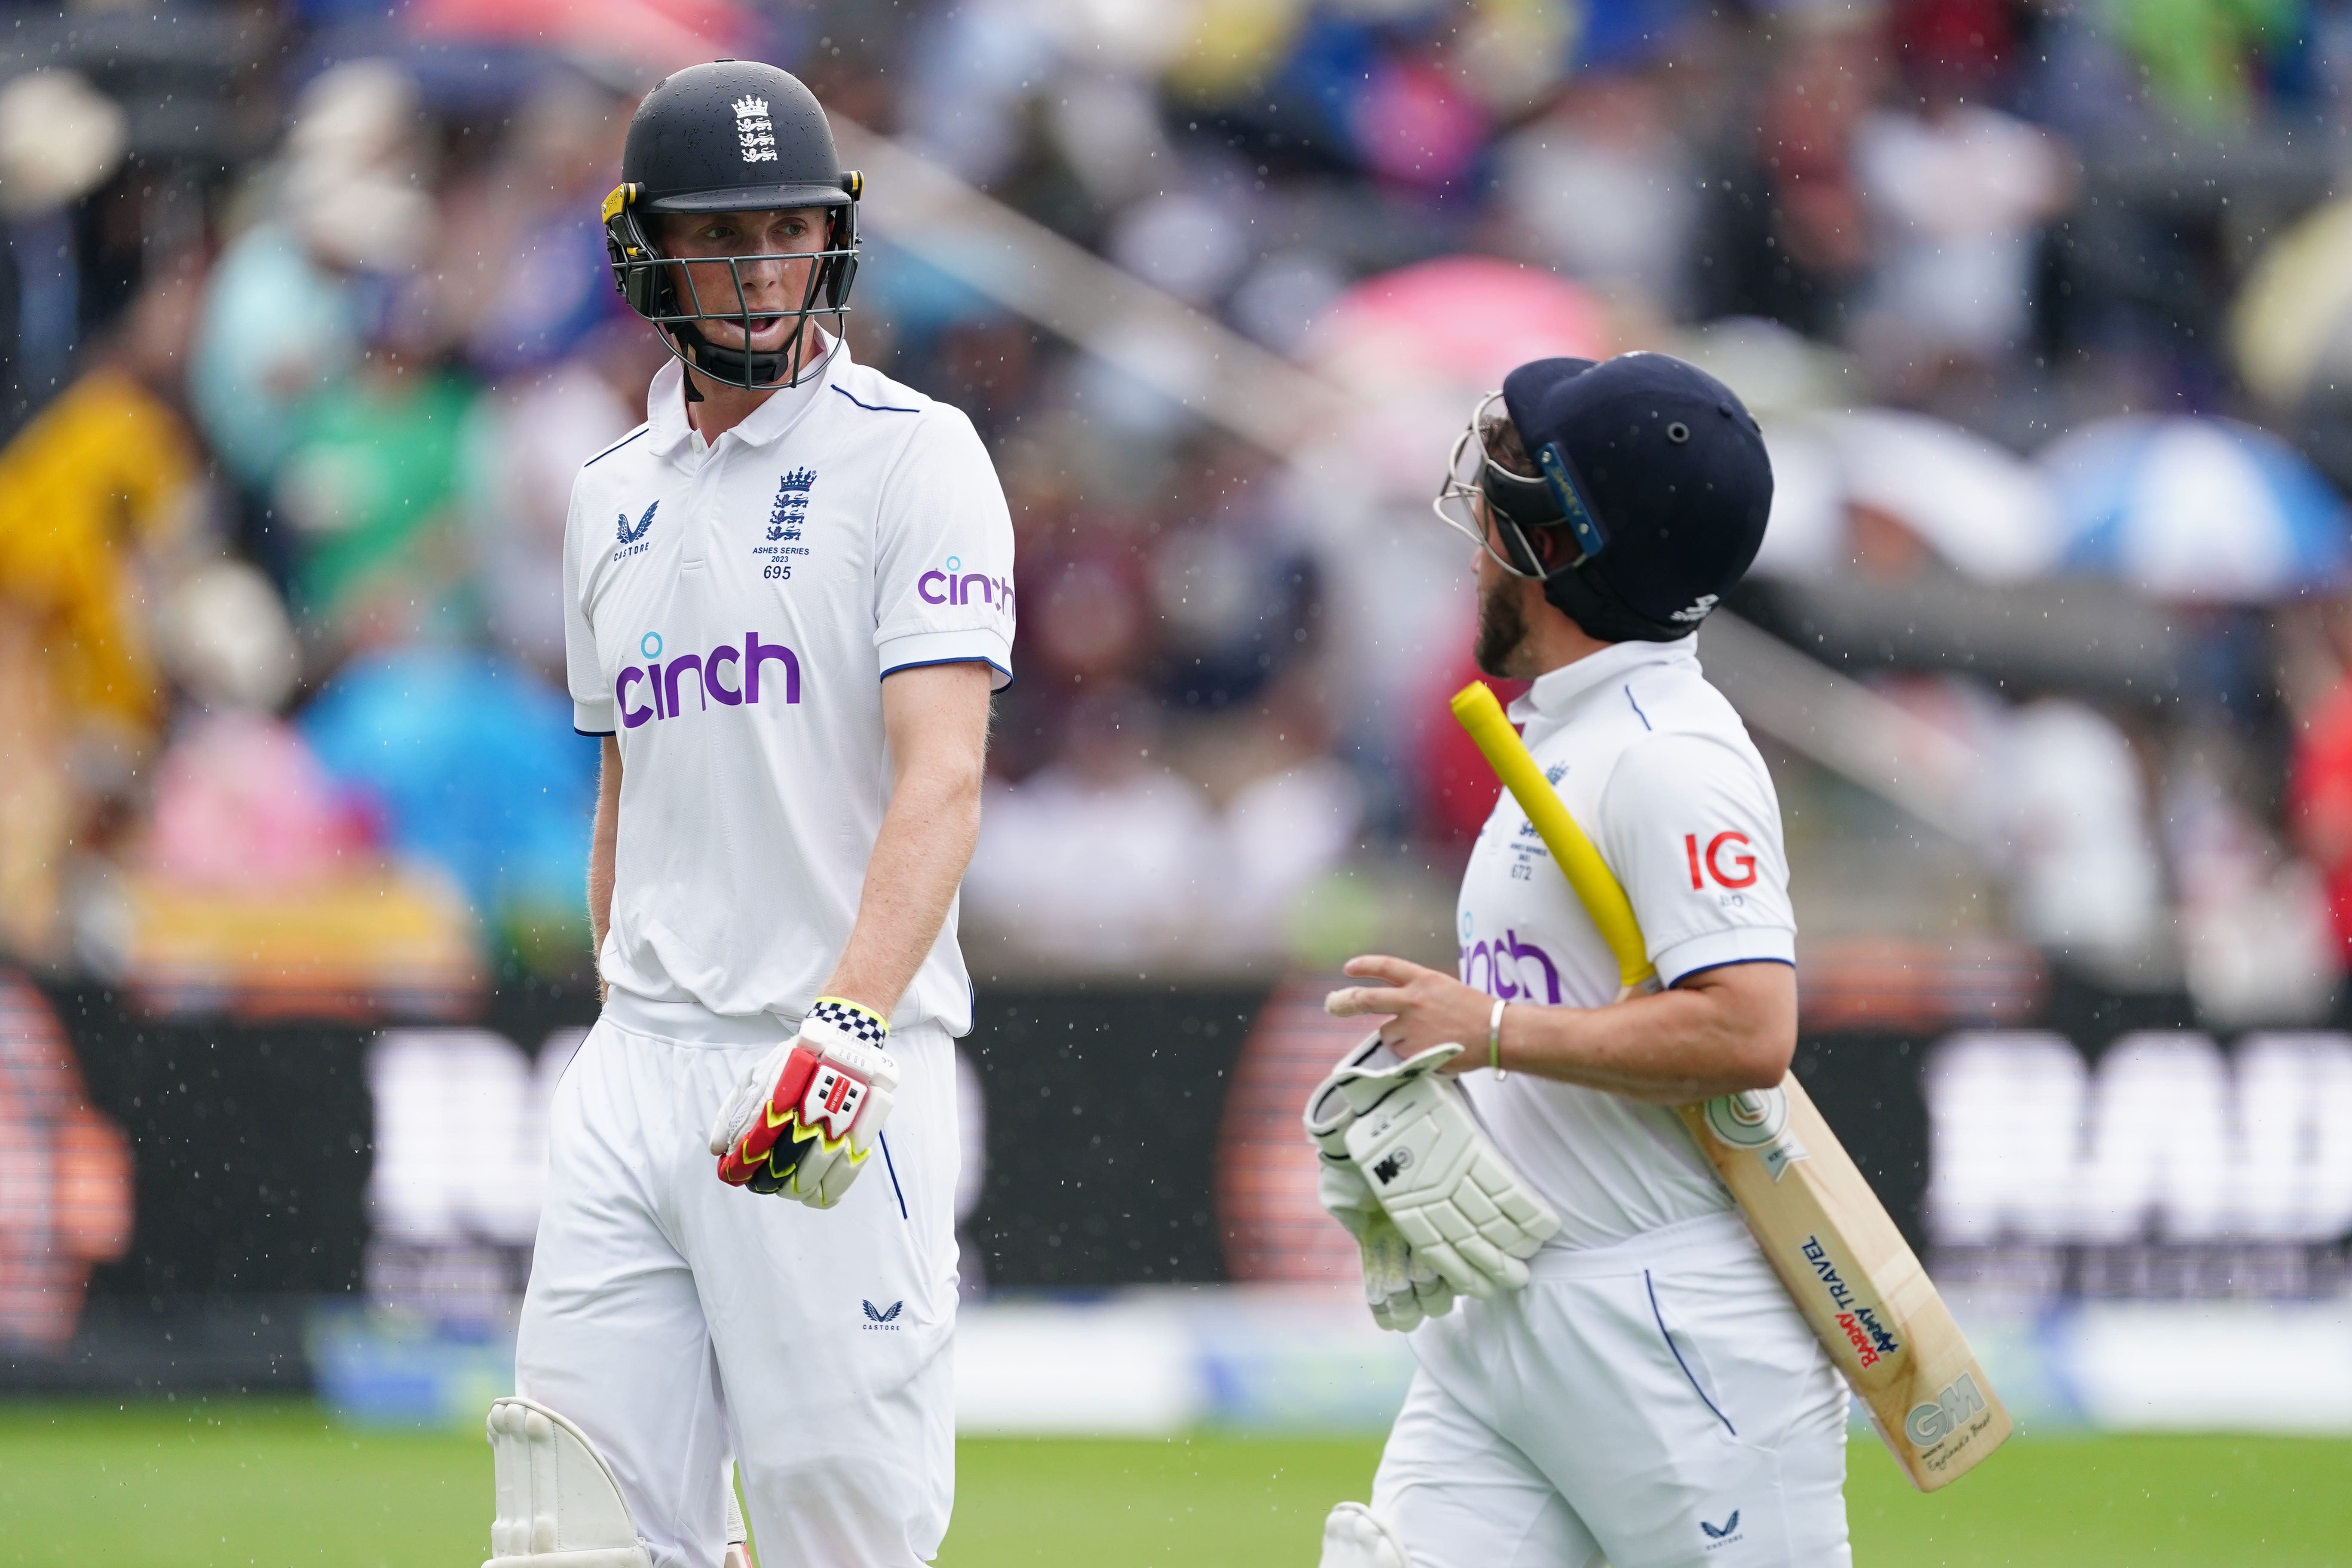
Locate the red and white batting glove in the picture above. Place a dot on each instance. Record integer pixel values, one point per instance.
(802, 1122)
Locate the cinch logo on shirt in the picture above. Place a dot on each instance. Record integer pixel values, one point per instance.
(661, 696)
(950, 585)
(1498, 968)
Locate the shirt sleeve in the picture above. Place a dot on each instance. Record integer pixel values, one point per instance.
(944, 587)
(591, 705)
(1692, 829)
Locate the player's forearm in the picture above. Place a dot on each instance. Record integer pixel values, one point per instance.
(1671, 1049)
(604, 845)
(1719, 1031)
(920, 856)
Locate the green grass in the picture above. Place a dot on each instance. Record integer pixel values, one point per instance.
(210, 1485)
(1201, 1503)
(2088, 1502)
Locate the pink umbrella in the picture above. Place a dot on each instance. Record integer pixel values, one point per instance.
(1467, 320)
(660, 34)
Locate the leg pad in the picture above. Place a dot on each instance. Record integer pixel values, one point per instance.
(558, 1504)
(1356, 1537)
(738, 1540)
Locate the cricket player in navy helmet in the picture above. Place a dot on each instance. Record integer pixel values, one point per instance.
(788, 597)
(1609, 1369)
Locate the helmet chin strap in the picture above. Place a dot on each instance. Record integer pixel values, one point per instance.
(736, 367)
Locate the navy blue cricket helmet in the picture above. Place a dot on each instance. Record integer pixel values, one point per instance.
(1655, 469)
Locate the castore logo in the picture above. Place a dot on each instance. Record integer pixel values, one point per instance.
(633, 540)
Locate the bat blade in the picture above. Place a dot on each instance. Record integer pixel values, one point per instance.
(1856, 1281)
(1852, 1276)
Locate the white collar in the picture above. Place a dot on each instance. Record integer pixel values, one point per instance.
(1555, 692)
(674, 434)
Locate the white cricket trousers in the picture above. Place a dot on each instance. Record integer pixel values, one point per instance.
(680, 1320)
(1656, 1404)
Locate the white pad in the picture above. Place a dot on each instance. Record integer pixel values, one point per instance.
(558, 1504)
(738, 1550)
(1452, 1195)
(1356, 1537)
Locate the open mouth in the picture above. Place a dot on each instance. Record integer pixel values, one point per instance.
(758, 327)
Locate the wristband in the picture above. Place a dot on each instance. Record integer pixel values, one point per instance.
(1495, 1038)
(860, 1023)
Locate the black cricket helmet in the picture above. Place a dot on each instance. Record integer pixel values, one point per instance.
(1653, 469)
(731, 136)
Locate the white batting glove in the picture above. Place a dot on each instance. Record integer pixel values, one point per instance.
(802, 1120)
(1401, 1289)
(1457, 1203)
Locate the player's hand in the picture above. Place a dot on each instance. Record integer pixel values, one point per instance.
(802, 1121)
(1452, 1195)
(1423, 1008)
(1401, 1288)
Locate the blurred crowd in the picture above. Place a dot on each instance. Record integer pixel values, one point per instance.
(2046, 307)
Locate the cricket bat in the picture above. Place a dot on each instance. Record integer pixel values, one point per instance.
(1828, 1236)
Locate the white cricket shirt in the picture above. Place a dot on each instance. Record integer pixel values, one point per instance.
(730, 610)
(1659, 771)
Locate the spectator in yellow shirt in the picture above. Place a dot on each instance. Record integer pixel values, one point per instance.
(100, 480)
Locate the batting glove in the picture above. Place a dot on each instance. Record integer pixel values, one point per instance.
(802, 1122)
(1458, 1203)
(1401, 1288)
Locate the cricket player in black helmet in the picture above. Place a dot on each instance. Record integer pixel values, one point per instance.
(787, 599)
(1609, 1369)
(733, 136)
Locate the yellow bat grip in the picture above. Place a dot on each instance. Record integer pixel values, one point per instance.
(1476, 710)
